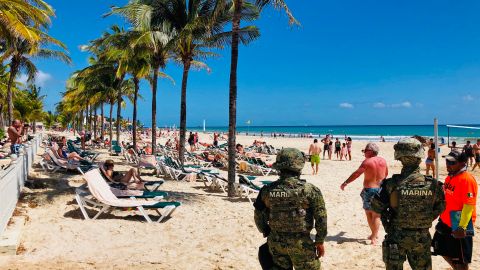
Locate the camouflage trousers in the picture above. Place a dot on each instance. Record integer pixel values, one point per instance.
(297, 250)
(413, 245)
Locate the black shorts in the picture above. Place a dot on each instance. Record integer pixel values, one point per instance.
(337, 149)
(477, 158)
(444, 244)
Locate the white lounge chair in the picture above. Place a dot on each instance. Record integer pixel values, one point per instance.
(105, 199)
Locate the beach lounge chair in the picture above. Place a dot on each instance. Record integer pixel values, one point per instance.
(116, 148)
(84, 154)
(105, 199)
(64, 164)
(148, 185)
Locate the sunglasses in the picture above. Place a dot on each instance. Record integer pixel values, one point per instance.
(366, 150)
(450, 163)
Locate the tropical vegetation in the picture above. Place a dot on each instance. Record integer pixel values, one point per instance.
(186, 32)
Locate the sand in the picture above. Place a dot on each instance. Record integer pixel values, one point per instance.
(209, 231)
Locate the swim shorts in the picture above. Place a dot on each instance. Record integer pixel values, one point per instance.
(315, 159)
(477, 158)
(444, 244)
(428, 161)
(15, 149)
(367, 195)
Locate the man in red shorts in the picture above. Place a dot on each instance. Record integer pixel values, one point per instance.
(451, 239)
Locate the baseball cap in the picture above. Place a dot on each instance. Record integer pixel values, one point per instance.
(456, 156)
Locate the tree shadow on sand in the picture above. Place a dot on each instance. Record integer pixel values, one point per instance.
(340, 239)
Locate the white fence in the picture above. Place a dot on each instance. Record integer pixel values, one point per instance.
(13, 178)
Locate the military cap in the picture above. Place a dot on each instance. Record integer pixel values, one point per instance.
(408, 147)
(290, 159)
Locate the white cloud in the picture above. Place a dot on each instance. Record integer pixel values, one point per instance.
(346, 105)
(405, 104)
(468, 98)
(40, 78)
(22, 79)
(379, 105)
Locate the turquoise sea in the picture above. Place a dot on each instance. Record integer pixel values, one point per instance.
(366, 132)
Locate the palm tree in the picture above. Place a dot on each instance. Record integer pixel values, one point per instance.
(238, 7)
(21, 53)
(133, 60)
(23, 19)
(153, 34)
(195, 25)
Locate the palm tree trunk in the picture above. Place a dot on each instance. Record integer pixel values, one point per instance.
(232, 109)
(13, 73)
(95, 122)
(111, 128)
(2, 122)
(154, 108)
(136, 82)
(103, 118)
(119, 115)
(183, 111)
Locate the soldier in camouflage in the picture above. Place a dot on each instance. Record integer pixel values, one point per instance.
(286, 211)
(408, 203)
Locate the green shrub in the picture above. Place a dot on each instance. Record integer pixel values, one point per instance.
(2, 133)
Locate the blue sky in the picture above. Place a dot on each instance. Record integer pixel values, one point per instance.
(351, 62)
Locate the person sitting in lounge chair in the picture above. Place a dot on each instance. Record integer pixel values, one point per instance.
(132, 179)
(62, 152)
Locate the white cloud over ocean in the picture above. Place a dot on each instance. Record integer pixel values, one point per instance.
(40, 78)
(346, 105)
(379, 105)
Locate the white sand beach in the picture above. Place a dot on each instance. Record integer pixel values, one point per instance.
(209, 230)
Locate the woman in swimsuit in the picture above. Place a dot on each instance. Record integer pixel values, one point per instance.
(430, 160)
(349, 148)
(343, 152)
(337, 148)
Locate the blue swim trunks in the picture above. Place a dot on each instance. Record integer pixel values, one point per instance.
(367, 194)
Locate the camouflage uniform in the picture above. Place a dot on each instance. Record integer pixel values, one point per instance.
(285, 211)
(408, 203)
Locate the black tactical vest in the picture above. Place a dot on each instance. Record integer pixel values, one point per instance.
(288, 204)
(413, 200)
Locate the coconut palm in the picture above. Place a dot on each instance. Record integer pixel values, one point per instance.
(232, 108)
(24, 19)
(29, 105)
(154, 34)
(21, 53)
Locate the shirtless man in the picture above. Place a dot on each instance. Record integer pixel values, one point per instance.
(375, 169)
(326, 145)
(15, 133)
(476, 152)
(315, 150)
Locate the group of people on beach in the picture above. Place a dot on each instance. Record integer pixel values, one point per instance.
(459, 192)
(342, 150)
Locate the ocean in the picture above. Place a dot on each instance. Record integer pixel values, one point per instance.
(362, 133)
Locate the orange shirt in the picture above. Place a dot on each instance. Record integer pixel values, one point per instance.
(459, 190)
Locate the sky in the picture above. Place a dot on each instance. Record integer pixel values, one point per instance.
(349, 63)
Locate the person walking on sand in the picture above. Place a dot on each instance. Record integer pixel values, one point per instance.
(314, 152)
(338, 148)
(326, 142)
(343, 152)
(349, 148)
(468, 150)
(476, 152)
(374, 169)
(429, 162)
